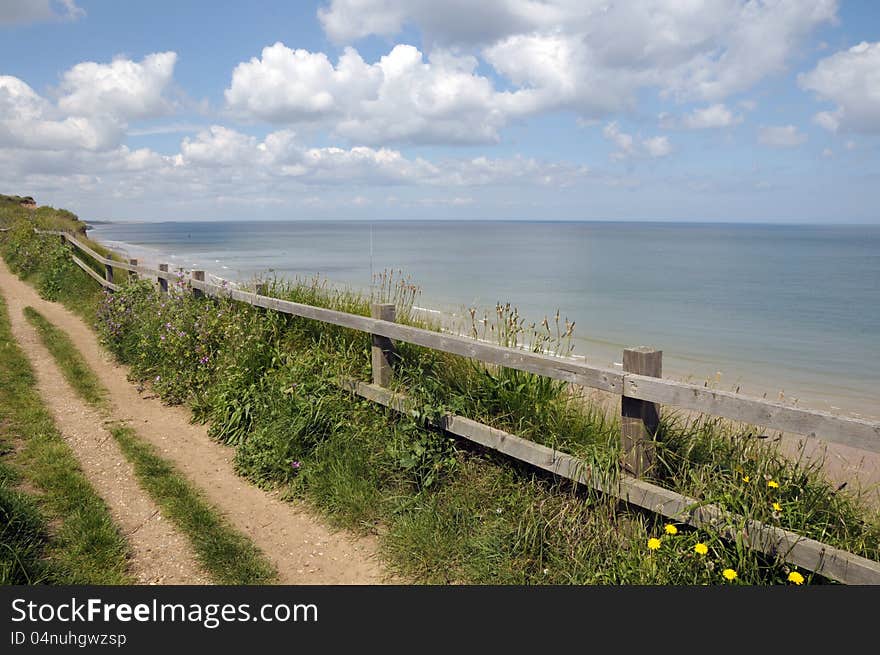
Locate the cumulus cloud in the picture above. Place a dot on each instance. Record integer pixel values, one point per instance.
(400, 98)
(705, 118)
(629, 147)
(95, 104)
(123, 88)
(590, 57)
(594, 56)
(34, 11)
(29, 121)
(345, 21)
(781, 136)
(851, 80)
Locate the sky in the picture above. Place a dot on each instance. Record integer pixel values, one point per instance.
(672, 110)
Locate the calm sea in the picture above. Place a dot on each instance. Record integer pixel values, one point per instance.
(772, 309)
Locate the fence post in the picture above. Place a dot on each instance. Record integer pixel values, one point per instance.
(163, 282)
(383, 347)
(639, 419)
(200, 276)
(132, 275)
(108, 273)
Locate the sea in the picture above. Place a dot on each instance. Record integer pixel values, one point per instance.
(786, 312)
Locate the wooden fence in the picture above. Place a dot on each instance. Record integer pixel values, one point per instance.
(642, 392)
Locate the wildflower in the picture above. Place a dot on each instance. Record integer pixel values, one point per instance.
(795, 577)
(158, 377)
(653, 543)
(777, 507)
(746, 478)
(729, 574)
(671, 529)
(773, 484)
(701, 549)
(295, 464)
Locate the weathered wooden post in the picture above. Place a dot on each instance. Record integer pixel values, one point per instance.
(163, 282)
(200, 277)
(639, 419)
(108, 273)
(132, 275)
(383, 347)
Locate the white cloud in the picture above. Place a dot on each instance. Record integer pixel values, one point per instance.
(781, 136)
(830, 120)
(593, 56)
(18, 100)
(95, 104)
(224, 151)
(590, 57)
(29, 121)
(851, 80)
(123, 89)
(711, 117)
(400, 98)
(657, 146)
(450, 22)
(220, 146)
(33, 11)
(628, 146)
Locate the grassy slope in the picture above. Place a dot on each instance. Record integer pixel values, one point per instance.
(447, 511)
(55, 529)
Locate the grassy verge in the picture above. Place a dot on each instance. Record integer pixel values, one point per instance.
(55, 528)
(227, 555)
(444, 509)
(75, 370)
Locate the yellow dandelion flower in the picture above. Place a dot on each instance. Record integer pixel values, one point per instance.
(777, 507)
(773, 484)
(795, 577)
(671, 529)
(701, 549)
(746, 478)
(729, 574)
(653, 543)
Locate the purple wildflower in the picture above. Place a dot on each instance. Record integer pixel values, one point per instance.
(295, 465)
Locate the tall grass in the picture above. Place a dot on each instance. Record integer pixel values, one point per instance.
(447, 510)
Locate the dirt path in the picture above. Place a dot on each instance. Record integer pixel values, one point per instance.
(304, 549)
(159, 554)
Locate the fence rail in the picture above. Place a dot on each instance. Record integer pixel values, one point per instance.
(850, 431)
(643, 394)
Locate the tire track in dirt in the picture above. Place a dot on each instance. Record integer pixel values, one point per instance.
(159, 554)
(301, 546)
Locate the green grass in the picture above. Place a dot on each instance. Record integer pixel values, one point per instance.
(56, 529)
(446, 510)
(75, 370)
(229, 556)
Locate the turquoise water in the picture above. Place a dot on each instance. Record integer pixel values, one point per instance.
(791, 309)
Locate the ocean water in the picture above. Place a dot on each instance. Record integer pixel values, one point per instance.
(782, 311)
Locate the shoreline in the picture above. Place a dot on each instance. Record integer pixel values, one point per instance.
(734, 376)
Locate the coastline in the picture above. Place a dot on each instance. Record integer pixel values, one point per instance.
(734, 377)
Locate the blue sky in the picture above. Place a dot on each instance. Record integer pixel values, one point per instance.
(713, 110)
